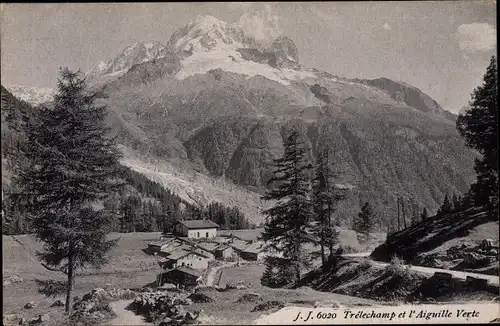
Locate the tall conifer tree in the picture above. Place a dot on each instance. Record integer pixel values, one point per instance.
(72, 163)
(286, 227)
(479, 127)
(325, 197)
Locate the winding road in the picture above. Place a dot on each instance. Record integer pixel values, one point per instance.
(492, 279)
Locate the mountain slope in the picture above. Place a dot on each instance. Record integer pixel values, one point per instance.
(444, 241)
(215, 104)
(220, 104)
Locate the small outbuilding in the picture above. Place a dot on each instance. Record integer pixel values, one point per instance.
(223, 251)
(181, 276)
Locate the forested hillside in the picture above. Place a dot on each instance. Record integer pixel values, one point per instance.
(143, 205)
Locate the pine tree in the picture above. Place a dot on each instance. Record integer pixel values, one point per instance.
(325, 196)
(364, 222)
(446, 206)
(72, 163)
(455, 202)
(425, 215)
(478, 126)
(286, 225)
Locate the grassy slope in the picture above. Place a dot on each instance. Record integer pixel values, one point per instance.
(226, 310)
(129, 267)
(393, 283)
(438, 233)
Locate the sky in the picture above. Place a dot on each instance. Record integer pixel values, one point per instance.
(441, 47)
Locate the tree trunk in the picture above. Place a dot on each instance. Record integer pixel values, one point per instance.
(69, 287)
(399, 225)
(297, 274)
(403, 209)
(329, 212)
(322, 243)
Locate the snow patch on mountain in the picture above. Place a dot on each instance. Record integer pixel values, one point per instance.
(32, 94)
(208, 43)
(137, 53)
(228, 59)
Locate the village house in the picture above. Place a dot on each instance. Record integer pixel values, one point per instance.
(185, 257)
(254, 251)
(248, 250)
(154, 247)
(196, 246)
(183, 276)
(196, 229)
(223, 251)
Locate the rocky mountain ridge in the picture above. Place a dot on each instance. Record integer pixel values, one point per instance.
(216, 104)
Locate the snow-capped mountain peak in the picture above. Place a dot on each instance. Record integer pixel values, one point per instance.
(204, 33)
(208, 43)
(137, 53)
(32, 94)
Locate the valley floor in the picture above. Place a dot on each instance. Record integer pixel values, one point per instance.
(130, 268)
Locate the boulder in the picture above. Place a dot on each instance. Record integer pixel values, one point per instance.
(442, 276)
(205, 289)
(190, 316)
(269, 305)
(476, 283)
(475, 259)
(9, 319)
(183, 301)
(249, 297)
(231, 286)
(178, 312)
(200, 298)
(30, 305)
(11, 280)
(44, 317)
(57, 303)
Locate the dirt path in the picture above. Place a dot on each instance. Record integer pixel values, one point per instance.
(492, 279)
(125, 317)
(211, 274)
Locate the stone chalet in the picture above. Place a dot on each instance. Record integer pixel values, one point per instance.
(196, 229)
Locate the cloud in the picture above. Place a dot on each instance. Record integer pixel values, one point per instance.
(386, 26)
(476, 37)
(262, 25)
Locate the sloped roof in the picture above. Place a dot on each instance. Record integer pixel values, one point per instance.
(209, 246)
(188, 270)
(238, 244)
(255, 247)
(157, 243)
(172, 246)
(223, 246)
(177, 254)
(199, 224)
(184, 251)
